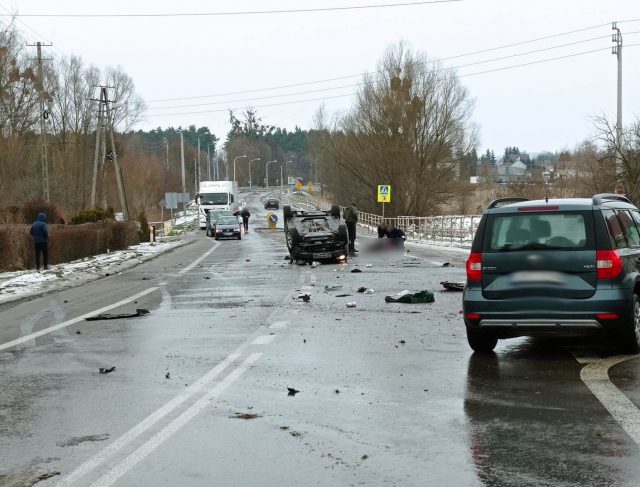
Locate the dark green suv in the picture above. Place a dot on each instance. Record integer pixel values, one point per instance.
(559, 266)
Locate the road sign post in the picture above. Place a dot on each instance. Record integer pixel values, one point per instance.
(384, 195)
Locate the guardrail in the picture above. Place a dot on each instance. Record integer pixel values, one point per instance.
(440, 230)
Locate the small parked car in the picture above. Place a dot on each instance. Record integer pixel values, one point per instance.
(566, 266)
(315, 235)
(228, 227)
(271, 204)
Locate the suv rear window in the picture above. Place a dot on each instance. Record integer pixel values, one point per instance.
(570, 230)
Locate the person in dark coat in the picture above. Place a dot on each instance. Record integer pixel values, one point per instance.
(40, 234)
(396, 237)
(245, 218)
(383, 229)
(351, 218)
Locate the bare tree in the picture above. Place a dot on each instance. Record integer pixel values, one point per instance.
(408, 120)
(629, 150)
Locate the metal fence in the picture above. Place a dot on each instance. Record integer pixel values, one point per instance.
(442, 229)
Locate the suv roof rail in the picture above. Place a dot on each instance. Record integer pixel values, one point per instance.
(601, 198)
(495, 203)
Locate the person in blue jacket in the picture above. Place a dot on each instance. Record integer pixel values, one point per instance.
(40, 234)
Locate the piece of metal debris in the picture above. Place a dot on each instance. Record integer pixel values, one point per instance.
(292, 391)
(109, 316)
(107, 370)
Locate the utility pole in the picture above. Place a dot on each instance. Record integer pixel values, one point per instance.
(43, 116)
(184, 188)
(195, 175)
(208, 162)
(166, 145)
(96, 156)
(617, 50)
(114, 157)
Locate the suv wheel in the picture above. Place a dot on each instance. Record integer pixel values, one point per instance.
(481, 342)
(628, 339)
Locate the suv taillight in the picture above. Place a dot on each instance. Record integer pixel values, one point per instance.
(608, 264)
(474, 267)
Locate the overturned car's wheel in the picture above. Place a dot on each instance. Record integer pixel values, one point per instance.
(286, 212)
(293, 238)
(480, 341)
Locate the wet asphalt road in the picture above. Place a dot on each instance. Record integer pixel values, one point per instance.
(390, 394)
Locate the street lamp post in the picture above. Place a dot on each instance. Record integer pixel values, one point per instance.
(251, 180)
(267, 170)
(234, 165)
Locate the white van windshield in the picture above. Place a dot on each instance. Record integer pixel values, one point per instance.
(214, 198)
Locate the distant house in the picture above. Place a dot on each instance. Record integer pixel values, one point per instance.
(510, 172)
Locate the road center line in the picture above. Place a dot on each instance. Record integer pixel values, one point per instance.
(64, 324)
(138, 455)
(150, 420)
(199, 259)
(596, 377)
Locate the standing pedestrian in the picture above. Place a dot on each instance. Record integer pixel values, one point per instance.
(40, 234)
(245, 218)
(351, 218)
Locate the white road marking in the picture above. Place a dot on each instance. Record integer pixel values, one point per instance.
(263, 340)
(596, 377)
(279, 324)
(585, 359)
(199, 259)
(59, 326)
(138, 455)
(150, 420)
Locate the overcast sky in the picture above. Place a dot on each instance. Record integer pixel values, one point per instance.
(543, 106)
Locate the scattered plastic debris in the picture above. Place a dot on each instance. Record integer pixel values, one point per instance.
(362, 289)
(356, 270)
(411, 298)
(167, 375)
(369, 291)
(453, 285)
(78, 332)
(447, 264)
(305, 297)
(369, 266)
(333, 288)
(342, 295)
(248, 259)
(292, 391)
(315, 264)
(109, 316)
(104, 370)
(245, 416)
(352, 304)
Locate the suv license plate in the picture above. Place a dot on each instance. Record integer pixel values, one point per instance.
(322, 255)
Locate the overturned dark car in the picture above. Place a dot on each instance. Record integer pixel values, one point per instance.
(315, 235)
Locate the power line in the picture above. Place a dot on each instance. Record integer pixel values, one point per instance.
(248, 12)
(339, 78)
(351, 94)
(359, 84)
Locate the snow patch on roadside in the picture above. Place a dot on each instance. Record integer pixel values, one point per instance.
(19, 284)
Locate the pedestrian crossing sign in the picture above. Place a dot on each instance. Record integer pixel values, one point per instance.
(384, 193)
